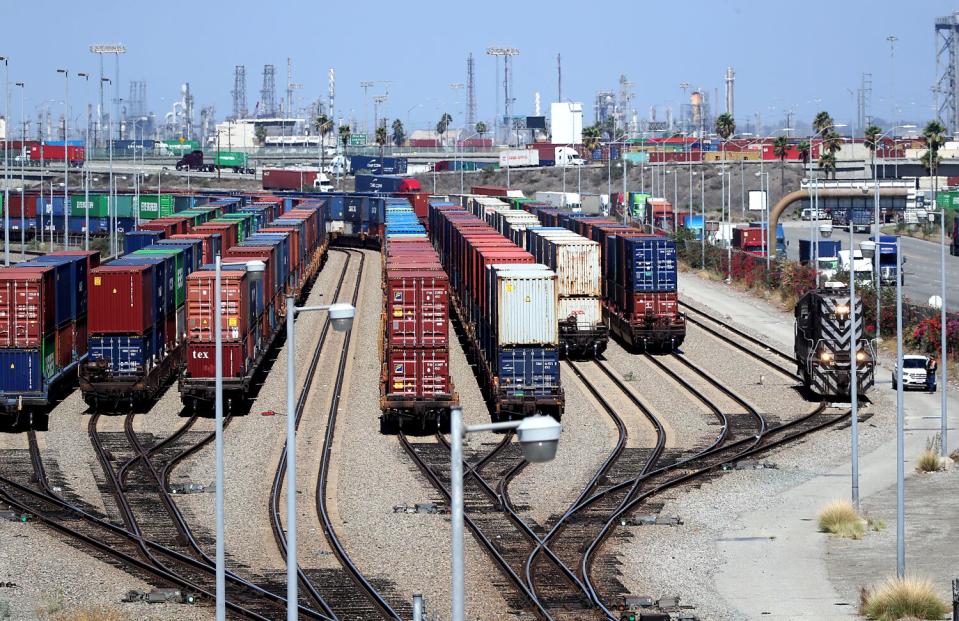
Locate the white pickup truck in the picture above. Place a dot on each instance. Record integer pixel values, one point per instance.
(913, 372)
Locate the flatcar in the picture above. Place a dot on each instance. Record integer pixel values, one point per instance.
(822, 343)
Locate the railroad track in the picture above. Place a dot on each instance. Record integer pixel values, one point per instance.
(765, 353)
(347, 594)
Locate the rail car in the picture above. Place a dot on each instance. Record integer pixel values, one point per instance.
(293, 248)
(583, 333)
(822, 343)
(640, 303)
(505, 306)
(415, 383)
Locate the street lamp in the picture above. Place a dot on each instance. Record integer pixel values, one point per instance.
(23, 140)
(111, 199)
(461, 157)
(341, 318)
(538, 439)
(900, 429)
(66, 159)
(6, 163)
(255, 269)
(767, 237)
(878, 230)
(86, 173)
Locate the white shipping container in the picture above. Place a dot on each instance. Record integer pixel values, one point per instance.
(588, 311)
(576, 261)
(525, 305)
(560, 200)
(516, 158)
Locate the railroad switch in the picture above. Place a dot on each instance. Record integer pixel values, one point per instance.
(161, 596)
(651, 519)
(191, 488)
(13, 516)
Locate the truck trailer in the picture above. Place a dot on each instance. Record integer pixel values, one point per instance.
(222, 160)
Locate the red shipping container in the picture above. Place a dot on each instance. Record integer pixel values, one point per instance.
(237, 357)
(417, 306)
(64, 345)
(747, 237)
(227, 230)
(47, 152)
(490, 190)
(121, 300)
(26, 305)
(244, 254)
(418, 372)
(210, 244)
(167, 228)
(80, 336)
(639, 306)
(236, 315)
(419, 201)
(170, 330)
(25, 209)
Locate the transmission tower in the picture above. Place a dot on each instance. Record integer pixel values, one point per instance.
(559, 78)
(947, 75)
(470, 93)
(268, 94)
(864, 119)
(291, 86)
(239, 92)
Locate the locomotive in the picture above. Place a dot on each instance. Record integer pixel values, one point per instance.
(822, 343)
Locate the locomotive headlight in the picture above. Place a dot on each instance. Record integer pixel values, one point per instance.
(842, 309)
(860, 356)
(825, 357)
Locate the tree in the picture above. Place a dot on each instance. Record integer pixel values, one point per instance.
(443, 124)
(399, 133)
(323, 125)
(804, 150)
(260, 133)
(827, 162)
(481, 129)
(345, 132)
(591, 136)
(822, 122)
(725, 127)
(935, 135)
(780, 147)
(871, 139)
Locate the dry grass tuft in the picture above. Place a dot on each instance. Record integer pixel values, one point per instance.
(896, 599)
(88, 613)
(840, 518)
(929, 461)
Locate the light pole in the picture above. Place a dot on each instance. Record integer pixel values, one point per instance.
(854, 359)
(538, 438)
(767, 249)
(900, 430)
(86, 173)
(111, 201)
(66, 159)
(943, 363)
(6, 162)
(255, 269)
(23, 141)
(878, 230)
(341, 318)
(461, 158)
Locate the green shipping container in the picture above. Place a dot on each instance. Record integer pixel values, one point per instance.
(230, 158)
(154, 206)
(175, 147)
(124, 206)
(98, 206)
(241, 231)
(180, 296)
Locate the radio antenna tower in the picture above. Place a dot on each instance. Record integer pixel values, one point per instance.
(470, 93)
(239, 92)
(559, 78)
(506, 53)
(268, 94)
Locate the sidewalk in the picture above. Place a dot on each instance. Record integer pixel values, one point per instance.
(775, 563)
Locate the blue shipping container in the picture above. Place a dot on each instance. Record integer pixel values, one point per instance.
(23, 370)
(525, 371)
(378, 165)
(135, 240)
(650, 264)
(126, 354)
(65, 285)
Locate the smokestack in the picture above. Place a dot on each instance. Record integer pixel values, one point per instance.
(730, 79)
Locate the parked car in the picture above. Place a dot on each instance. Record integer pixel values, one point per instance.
(808, 214)
(914, 370)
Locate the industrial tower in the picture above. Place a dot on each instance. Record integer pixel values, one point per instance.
(730, 85)
(291, 86)
(268, 93)
(470, 93)
(239, 92)
(947, 59)
(864, 119)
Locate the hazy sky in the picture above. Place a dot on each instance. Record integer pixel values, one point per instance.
(804, 57)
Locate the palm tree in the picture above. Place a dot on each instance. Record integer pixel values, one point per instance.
(381, 138)
(725, 127)
(399, 133)
(827, 162)
(804, 150)
(935, 135)
(443, 124)
(323, 125)
(345, 132)
(822, 122)
(260, 134)
(480, 128)
(780, 147)
(871, 139)
(591, 136)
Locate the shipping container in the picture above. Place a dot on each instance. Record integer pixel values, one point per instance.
(386, 184)
(378, 165)
(124, 299)
(418, 372)
(151, 206)
(27, 298)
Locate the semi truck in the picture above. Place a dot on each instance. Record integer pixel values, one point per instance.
(887, 249)
(861, 218)
(223, 160)
(827, 248)
(298, 179)
(518, 158)
(555, 155)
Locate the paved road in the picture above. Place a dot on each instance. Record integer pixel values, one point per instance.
(921, 269)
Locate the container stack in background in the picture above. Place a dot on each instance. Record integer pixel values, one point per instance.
(43, 321)
(415, 379)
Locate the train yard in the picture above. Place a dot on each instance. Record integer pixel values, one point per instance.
(662, 398)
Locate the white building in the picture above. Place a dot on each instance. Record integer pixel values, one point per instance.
(566, 122)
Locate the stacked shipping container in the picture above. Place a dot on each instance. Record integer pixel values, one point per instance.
(506, 304)
(415, 380)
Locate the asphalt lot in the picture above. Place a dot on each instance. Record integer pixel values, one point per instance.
(922, 268)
